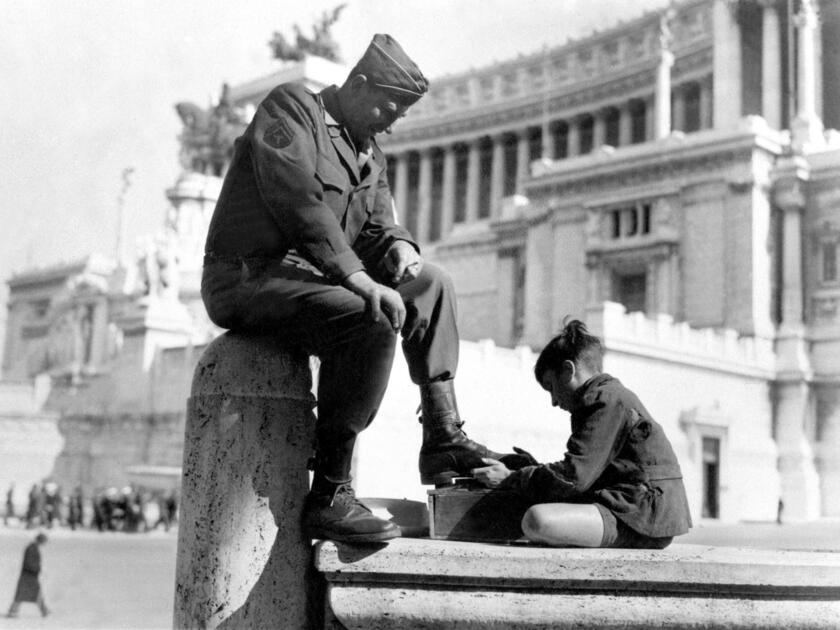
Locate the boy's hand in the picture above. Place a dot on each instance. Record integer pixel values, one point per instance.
(491, 475)
(519, 459)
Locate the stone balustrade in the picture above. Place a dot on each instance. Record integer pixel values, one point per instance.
(660, 335)
(431, 584)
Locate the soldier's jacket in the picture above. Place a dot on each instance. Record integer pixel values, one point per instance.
(618, 456)
(295, 183)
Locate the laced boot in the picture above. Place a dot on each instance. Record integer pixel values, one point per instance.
(332, 512)
(446, 452)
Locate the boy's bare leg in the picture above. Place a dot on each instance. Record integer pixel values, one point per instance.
(564, 524)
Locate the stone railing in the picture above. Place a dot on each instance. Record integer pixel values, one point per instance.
(662, 338)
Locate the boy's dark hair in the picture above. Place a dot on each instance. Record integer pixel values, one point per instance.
(574, 343)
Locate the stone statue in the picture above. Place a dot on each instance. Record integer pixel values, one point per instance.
(157, 269)
(195, 138)
(666, 35)
(168, 269)
(321, 44)
(208, 135)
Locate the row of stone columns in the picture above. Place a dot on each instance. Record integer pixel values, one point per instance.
(556, 139)
(728, 107)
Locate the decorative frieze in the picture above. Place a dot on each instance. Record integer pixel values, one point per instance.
(617, 50)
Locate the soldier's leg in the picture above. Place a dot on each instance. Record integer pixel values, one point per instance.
(356, 356)
(430, 344)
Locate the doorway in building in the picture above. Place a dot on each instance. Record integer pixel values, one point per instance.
(630, 289)
(711, 477)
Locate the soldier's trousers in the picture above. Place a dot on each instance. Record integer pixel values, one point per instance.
(310, 315)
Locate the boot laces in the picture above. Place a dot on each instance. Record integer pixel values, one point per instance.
(345, 496)
(459, 424)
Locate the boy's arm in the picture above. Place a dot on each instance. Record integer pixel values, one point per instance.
(596, 438)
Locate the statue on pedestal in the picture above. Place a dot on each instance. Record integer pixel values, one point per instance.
(208, 135)
(321, 44)
(666, 34)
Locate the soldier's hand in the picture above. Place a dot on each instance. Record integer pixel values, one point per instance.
(392, 306)
(382, 301)
(491, 475)
(402, 262)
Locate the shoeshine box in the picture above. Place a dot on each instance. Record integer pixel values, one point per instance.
(466, 510)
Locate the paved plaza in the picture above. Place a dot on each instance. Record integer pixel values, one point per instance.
(117, 581)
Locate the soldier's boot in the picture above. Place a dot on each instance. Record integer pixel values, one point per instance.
(332, 512)
(446, 452)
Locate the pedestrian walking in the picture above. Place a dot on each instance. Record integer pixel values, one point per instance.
(75, 510)
(10, 504)
(32, 507)
(29, 583)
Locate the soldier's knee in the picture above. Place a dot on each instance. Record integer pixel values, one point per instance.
(438, 275)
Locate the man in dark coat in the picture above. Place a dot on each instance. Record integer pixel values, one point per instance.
(10, 504)
(29, 585)
(303, 245)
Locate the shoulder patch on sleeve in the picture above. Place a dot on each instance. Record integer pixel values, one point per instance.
(278, 135)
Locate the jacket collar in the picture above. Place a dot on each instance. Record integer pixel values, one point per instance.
(340, 138)
(592, 383)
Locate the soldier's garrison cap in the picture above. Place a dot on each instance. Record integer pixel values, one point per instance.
(386, 65)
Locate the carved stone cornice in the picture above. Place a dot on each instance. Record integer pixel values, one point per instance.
(700, 59)
(790, 177)
(715, 163)
(512, 232)
(641, 250)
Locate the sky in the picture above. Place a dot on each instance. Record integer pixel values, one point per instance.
(90, 88)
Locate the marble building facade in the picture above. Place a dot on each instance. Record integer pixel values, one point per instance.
(669, 179)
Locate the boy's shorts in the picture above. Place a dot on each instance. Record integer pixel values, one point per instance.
(618, 535)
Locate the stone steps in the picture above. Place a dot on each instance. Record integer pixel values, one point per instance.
(423, 583)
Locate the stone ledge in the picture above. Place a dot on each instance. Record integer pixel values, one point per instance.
(443, 584)
(252, 366)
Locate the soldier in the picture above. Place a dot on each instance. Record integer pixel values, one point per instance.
(619, 483)
(303, 245)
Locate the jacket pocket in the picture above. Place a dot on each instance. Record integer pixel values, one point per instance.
(330, 176)
(335, 185)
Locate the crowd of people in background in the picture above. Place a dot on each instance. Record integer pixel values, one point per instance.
(130, 509)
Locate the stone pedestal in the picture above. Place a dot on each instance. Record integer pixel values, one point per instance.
(242, 560)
